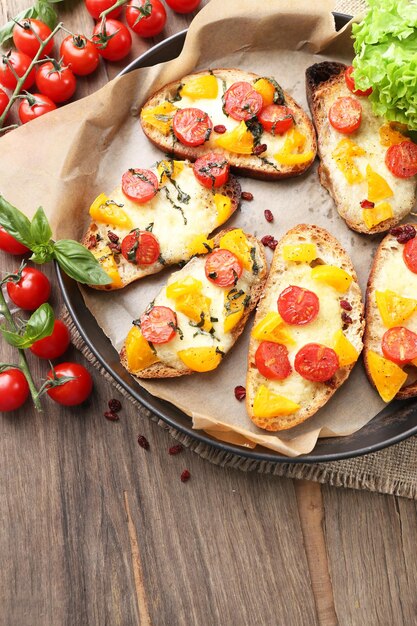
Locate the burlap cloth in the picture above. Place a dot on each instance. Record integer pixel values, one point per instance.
(392, 471)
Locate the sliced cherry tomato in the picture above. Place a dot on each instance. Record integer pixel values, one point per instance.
(26, 35)
(401, 159)
(212, 170)
(112, 39)
(146, 17)
(141, 247)
(351, 84)
(242, 101)
(56, 81)
(139, 185)
(345, 115)
(410, 255)
(4, 101)
(96, 7)
(55, 344)
(316, 362)
(32, 290)
(14, 389)
(10, 244)
(79, 54)
(35, 105)
(74, 391)
(276, 119)
(272, 361)
(192, 126)
(223, 268)
(159, 324)
(183, 6)
(399, 345)
(20, 63)
(298, 306)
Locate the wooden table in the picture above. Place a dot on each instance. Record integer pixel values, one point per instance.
(95, 530)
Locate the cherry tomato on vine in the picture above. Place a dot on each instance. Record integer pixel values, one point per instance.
(20, 63)
(14, 389)
(183, 6)
(55, 344)
(95, 7)
(56, 81)
(26, 35)
(74, 391)
(112, 40)
(4, 101)
(32, 290)
(35, 105)
(79, 54)
(10, 244)
(146, 17)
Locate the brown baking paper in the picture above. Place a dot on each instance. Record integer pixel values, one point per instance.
(64, 160)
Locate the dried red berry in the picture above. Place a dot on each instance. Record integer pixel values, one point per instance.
(115, 405)
(240, 392)
(268, 240)
(259, 149)
(220, 129)
(346, 318)
(115, 247)
(367, 204)
(403, 233)
(112, 417)
(247, 195)
(185, 476)
(268, 215)
(176, 449)
(345, 305)
(113, 237)
(143, 442)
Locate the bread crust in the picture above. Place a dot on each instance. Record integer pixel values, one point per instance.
(245, 165)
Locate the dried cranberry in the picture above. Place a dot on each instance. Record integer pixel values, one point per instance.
(143, 442)
(220, 129)
(367, 204)
(346, 318)
(247, 195)
(268, 215)
(185, 476)
(113, 237)
(115, 247)
(91, 242)
(268, 240)
(259, 149)
(240, 392)
(403, 233)
(345, 305)
(112, 417)
(115, 405)
(176, 449)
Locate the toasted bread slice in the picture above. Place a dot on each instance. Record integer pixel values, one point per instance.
(217, 329)
(369, 177)
(281, 404)
(181, 216)
(244, 161)
(391, 301)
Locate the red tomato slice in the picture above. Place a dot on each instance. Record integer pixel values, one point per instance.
(410, 255)
(316, 362)
(276, 119)
(159, 324)
(298, 306)
(399, 345)
(139, 185)
(351, 84)
(345, 115)
(212, 170)
(223, 268)
(192, 127)
(141, 247)
(242, 102)
(401, 159)
(272, 361)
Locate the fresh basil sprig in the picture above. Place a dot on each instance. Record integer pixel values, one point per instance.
(42, 10)
(75, 260)
(39, 325)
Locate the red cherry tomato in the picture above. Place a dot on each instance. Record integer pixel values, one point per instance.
(96, 7)
(112, 40)
(399, 345)
(410, 255)
(351, 84)
(223, 268)
(20, 63)
(272, 361)
(146, 17)
(35, 105)
(159, 324)
(10, 244)
(298, 306)
(211, 170)
(14, 389)
(242, 102)
(316, 362)
(79, 54)
(141, 247)
(4, 101)
(55, 344)
(183, 6)
(345, 115)
(32, 290)
(74, 391)
(192, 126)
(276, 119)
(58, 83)
(26, 35)
(139, 185)
(401, 159)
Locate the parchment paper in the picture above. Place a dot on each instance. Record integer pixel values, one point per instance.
(63, 161)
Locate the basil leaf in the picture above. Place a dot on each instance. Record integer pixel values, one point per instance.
(39, 325)
(79, 263)
(46, 13)
(42, 253)
(6, 31)
(15, 222)
(12, 338)
(39, 229)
